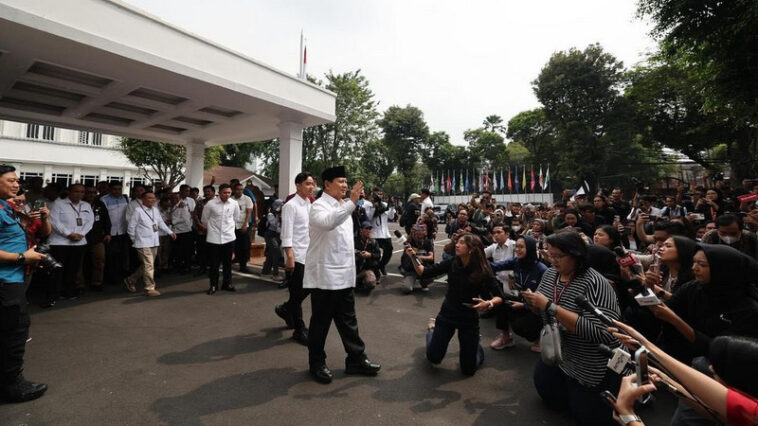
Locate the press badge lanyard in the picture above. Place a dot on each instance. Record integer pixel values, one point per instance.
(152, 218)
(557, 296)
(78, 213)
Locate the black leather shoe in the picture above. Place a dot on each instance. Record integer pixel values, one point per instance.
(283, 284)
(23, 390)
(322, 374)
(301, 336)
(365, 367)
(282, 312)
(228, 288)
(211, 290)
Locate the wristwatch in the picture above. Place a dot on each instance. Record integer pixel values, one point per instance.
(552, 309)
(21, 259)
(628, 418)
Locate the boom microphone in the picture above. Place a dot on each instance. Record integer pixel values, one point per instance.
(582, 301)
(627, 260)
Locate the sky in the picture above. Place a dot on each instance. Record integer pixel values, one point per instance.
(457, 61)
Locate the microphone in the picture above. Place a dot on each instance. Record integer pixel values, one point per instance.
(627, 260)
(400, 237)
(582, 301)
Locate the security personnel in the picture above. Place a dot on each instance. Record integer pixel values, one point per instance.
(14, 318)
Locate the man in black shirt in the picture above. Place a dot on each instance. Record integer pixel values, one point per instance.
(94, 257)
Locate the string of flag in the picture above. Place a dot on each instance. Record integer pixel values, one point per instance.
(514, 180)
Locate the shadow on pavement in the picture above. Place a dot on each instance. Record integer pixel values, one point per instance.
(227, 348)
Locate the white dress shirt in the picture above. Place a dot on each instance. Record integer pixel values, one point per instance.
(245, 203)
(426, 203)
(190, 202)
(499, 253)
(166, 216)
(116, 213)
(330, 260)
(63, 218)
(220, 218)
(144, 226)
(295, 217)
(130, 208)
(379, 228)
(181, 219)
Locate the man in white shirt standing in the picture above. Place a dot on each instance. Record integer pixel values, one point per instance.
(241, 230)
(71, 219)
(377, 212)
(295, 238)
(219, 219)
(181, 224)
(143, 229)
(330, 275)
(426, 200)
(117, 250)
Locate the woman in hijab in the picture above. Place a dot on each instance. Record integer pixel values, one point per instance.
(721, 300)
(527, 274)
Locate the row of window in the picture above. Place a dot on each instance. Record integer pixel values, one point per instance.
(48, 134)
(65, 179)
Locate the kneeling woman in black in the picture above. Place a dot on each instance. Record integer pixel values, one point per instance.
(470, 281)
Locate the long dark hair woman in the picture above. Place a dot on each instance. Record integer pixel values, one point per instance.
(527, 274)
(576, 383)
(722, 300)
(472, 288)
(676, 256)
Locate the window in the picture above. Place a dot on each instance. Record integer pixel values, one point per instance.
(91, 138)
(32, 131)
(48, 133)
(25, 176)
(89, 180)
(62, 179)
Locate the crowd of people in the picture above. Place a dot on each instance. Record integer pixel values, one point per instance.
(591, 274)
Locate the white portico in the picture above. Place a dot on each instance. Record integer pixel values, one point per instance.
(105, 66)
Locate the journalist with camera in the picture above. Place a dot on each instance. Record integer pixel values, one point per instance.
(15, 256)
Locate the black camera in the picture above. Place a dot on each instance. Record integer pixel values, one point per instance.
(48, 262)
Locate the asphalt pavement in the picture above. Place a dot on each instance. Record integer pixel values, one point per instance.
(186, 358)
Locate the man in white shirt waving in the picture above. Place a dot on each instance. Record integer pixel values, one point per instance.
(143, 229)
(71, 219)
(219, 218)
(330, 275)
(295, 239)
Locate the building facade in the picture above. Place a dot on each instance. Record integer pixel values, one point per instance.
(65, 156)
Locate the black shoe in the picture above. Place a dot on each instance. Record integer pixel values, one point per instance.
(22, 390)
(48, 304)
(365, 367)
(301, 336)
(282, 312)
(211, 290)
(283, 284)
(383, 271)
(228, 288)
(322, 374)
(244, 270)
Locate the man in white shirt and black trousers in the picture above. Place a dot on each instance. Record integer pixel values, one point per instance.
(330, 276)
(71, 218)
(295, 239)
(219, 218)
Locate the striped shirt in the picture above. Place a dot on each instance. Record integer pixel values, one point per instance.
(581, 358)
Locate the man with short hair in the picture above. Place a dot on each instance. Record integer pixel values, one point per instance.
(209, 193)
(412, 212)
(184, 194)
(242, 244)
(330, 274)
(728, 232)
(367, 257)
(500, 250)
(180, 218)
(93, 266)
(117, 250)
(72, 219)
(143, 229)
(219, 218)
(295, 240)
(15, 256)
(426, 200)
(377, 213)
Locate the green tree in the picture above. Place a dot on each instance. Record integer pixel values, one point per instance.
(405, 133)
(534, 132)
(493, 123)
(486, 149)
(165, 160)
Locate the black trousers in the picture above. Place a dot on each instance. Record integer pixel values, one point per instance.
(386, 245)
(182, 249)
(337, 305)
(471, 354)
(117, 259)
(201, 248)
(523, 322)
(220, 254)
(14, 330)
(242, 247)
(294, 305)
(71, 258)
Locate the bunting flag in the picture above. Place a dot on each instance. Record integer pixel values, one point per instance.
(494, 181)
(486, 181)
(431, 182)
(517, 183)
(502, 183)
(510, 182)
(541, 180)
(468, 185)
(532, 183)
(441, 188)
(448, 183)
(461, 188)
(480, 185)
(547, 178)
(454, 187)
(523, 178)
